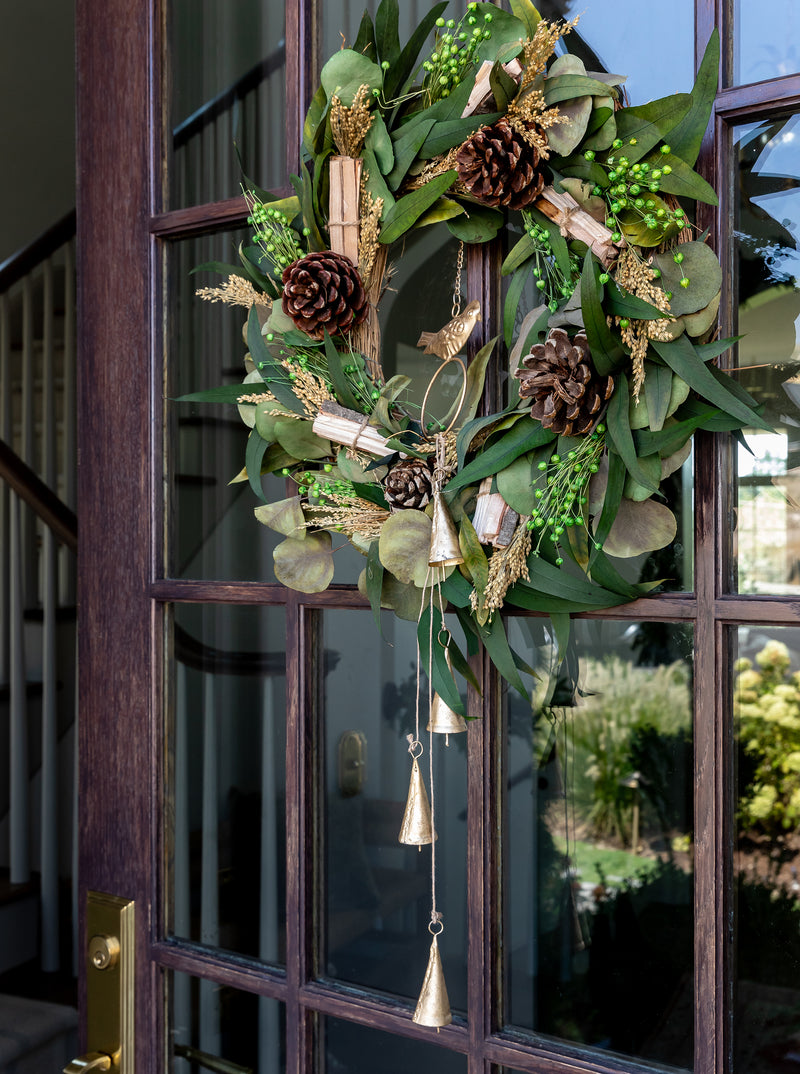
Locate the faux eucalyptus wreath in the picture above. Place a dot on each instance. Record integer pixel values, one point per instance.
(479, 127)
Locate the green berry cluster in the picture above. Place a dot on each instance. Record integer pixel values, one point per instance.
(550, 279)
(318, 485)
(561, 490)
(273, 234)
(631, 188)
(312, 360)
(453, 52)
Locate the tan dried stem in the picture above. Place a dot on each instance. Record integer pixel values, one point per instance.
(350, 125)
(236, 291)
(506, 566)
(349, 515)
(635, 276)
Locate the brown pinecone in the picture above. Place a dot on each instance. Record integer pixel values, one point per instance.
(408, 484)
(324, 291)
(498, 167)
(558, 374)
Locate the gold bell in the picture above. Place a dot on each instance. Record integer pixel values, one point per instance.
(416, 828)
(445, 550)
(443, 720)
(433, 1005)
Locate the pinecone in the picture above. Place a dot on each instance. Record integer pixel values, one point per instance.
(408, 484)
(324, 291)
(498, 167)
(559, 376)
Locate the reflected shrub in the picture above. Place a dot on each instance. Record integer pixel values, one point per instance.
(767, 705)
(632, 732)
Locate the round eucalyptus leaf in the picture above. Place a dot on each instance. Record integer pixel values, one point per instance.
(305, 565)
(674, 461)
(699, 265)
(247, 411)
(405, 544)
(345, 71)
(697, 324)
(651, 465)
(403, 598)
(566, 136)
(285, 516)
(640, 527)
(639, 415)
(298, 438)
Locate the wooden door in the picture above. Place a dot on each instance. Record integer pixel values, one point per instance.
(273, 923)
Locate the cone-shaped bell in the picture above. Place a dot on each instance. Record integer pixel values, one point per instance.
(433, 1006)
(445, 550)
(416, 827)
(443, 721)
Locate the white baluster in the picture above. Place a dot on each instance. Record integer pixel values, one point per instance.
(69, 453)
(18, 717)
(28, 561)
(49, 770)
(181, 983)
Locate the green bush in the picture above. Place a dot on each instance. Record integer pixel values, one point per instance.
(767, 706)
(632, 721)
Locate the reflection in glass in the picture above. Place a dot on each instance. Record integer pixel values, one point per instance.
(378, 893)
(766, 700)
(209, 1021)
(227, 82)
(658, 51)
(228, 749)
(767, 225)
(355, 1049)
(598, 828)
(766, 40)
(211, 532)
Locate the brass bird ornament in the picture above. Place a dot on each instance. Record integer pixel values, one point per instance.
(449, 340)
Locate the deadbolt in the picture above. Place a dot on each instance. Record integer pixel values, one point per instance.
(103, 952)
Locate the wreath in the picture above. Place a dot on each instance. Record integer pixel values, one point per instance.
(490, 133)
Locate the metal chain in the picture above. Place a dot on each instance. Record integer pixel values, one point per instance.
(457, 285)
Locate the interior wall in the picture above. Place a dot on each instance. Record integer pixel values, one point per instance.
(37, 122)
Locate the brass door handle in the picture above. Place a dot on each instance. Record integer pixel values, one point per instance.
(90, 1061)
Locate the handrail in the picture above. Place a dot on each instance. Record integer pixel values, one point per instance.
(223, 100)
(42, 500)
(45, 245)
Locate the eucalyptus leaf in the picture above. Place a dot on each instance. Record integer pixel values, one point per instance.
(407, 144)
(699, 265)
(478, 223)
(566, 135)
(387, 32)
(336, 363)
(619, 433)
(686, 137)
(398, 78)
(650, 123)
(345, 71)
(520, 252)
(506, 30)
(406, 211)
(266, 415)
(226, 393)
(514, 483)
(682, 180)
(440, 212)
(305, 565)
(623, 304)
(445, 136)
(525, 435)
(247, 411)
(527, 15)
(697, 324)
(476, 378)
(374, 182)
(650, 465)
(434, 659)
(284, 516)
(633, 227)
(475, 559)
(569, 86)
(374, 582)
(298, 438)
(254, 455)
(405, 543)
(640, 527)
(512, 300)
(504, 88)
(379, 142)
(606, 349)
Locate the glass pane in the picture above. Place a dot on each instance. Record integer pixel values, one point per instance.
(208, 1022)
(227, 705)
(766, 40)
(596, 38)
(211, 532)
(598, 821)
(766, 700)
(227, 90)
(766, 231)
(358, 1050)
(377, 901)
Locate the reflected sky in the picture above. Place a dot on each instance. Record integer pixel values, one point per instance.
(767, 40)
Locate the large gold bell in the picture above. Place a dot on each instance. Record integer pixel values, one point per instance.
(433, 1005)
(443, 720)
(445, 550)
(416, 829)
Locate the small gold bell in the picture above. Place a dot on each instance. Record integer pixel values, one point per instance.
(416, 828)
(433, 1005)
(444, 550)
(443, 720)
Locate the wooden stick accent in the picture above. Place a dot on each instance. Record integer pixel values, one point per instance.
(494, 520)
(574, 221)
(482, 90)
(343, 206)
(348, 427)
